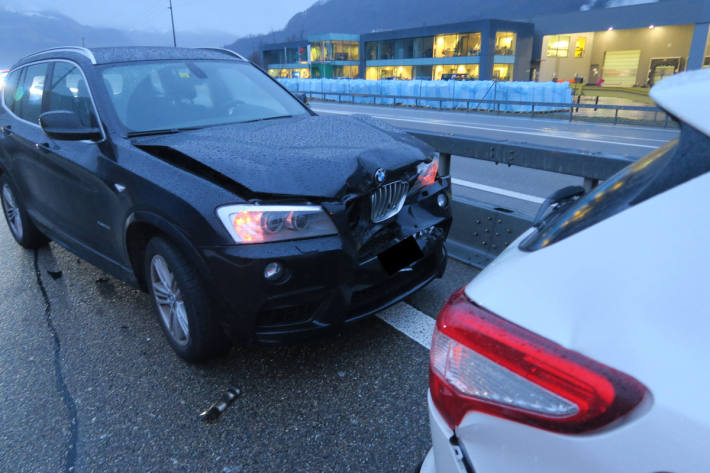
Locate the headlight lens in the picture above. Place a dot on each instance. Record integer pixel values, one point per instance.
(267, 223)
(427, 173)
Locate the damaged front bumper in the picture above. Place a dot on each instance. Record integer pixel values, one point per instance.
(330, 281)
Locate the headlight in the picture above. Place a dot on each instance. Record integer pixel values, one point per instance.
(267, 223)
(426, 173)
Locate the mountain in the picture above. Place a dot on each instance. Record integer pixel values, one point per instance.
(24, 33)
(348, 16)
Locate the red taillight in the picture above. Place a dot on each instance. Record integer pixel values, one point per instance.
(481, 362)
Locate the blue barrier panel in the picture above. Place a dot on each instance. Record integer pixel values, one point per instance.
(431, 91)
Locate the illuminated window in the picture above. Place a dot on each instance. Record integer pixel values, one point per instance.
(450, 45)
(579, 45)
(340, 72)
(505, 43)
(558, 46)
(317, 52)
(456, 72)
(346, 50)
(303, 73)
(280, 73)
(503, 72)
(388, 73)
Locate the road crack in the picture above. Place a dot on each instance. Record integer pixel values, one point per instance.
(61, 384)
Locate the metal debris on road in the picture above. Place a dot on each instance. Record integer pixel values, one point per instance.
(216, 409)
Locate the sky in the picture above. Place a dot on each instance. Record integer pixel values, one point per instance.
(237, 17)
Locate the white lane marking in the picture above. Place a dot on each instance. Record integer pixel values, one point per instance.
(437, 121)
(415, 324)
(532, 133)
(555, 121)
(497, 190)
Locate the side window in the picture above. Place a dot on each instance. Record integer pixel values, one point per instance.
(68, 91)
(28, 95)
(10, 88)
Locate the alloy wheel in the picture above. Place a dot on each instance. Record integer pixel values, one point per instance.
(12, 211)
(169, 300)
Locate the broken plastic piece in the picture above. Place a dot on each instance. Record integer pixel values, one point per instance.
(55, 274)
(216, 409)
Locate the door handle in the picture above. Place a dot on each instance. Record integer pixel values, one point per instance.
(7, 130)
(43, 146)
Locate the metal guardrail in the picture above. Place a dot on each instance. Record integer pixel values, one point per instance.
(482, 230)
(566, 107)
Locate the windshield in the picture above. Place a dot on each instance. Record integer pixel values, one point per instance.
(188, 94)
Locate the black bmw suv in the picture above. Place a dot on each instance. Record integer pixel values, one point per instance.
(192, 174)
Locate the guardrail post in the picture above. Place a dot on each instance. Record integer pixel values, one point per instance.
(616, 116)
(444, 164)
(532, 114)
(596, 102)
(571, 110)
(590, 183)
(665, 122)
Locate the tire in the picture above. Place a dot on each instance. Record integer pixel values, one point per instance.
(25, 233)
(182, 304)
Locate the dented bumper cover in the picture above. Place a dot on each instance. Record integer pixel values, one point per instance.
(329, 281)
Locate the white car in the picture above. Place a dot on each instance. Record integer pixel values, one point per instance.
(584, 346)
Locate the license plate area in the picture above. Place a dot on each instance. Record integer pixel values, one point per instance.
(400, 256)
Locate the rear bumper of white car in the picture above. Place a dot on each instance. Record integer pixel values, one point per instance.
(444, 457)
(651, 439)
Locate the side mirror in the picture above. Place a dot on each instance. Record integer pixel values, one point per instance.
(65, 125)
(302, 97)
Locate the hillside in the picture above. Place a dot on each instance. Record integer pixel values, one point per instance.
(24, 33)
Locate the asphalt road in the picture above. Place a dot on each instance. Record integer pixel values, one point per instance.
(89, 384)
(515, 188)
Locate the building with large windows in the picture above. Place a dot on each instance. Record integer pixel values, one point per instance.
(483, 49)
(628, 46)
(624, 46)
(329, 56)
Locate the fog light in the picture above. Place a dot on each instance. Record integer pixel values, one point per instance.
(441, 200)
(273, 271)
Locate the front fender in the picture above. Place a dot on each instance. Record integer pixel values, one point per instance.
(161, 226)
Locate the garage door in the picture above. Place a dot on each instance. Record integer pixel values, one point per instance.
(620, 68)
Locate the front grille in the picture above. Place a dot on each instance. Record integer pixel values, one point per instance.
(388, 200)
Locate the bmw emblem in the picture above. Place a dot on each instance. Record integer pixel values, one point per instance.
(380, 176)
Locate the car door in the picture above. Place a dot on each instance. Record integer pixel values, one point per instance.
(21, 134)
(82, 197)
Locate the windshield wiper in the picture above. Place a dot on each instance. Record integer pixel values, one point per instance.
(267, 118)
(163, 131)
(557, 198)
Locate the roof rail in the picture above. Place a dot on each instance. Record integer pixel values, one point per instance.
(227, 51)
(76, 49)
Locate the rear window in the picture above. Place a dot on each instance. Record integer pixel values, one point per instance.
(668, 166)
